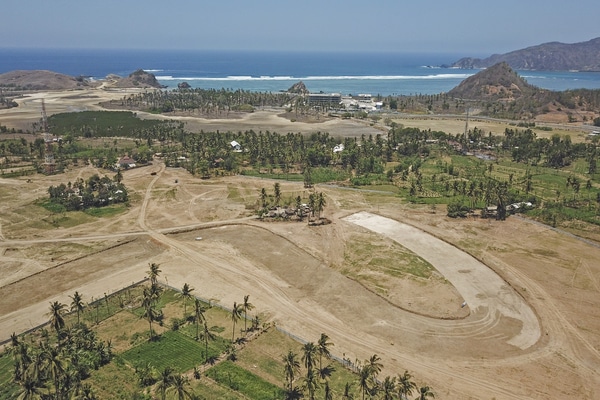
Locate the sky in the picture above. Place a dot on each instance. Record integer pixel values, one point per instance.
(461, 26)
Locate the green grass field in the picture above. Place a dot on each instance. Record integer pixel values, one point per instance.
(241, 380)
(100, 123)
(171, 349)
(7, 387)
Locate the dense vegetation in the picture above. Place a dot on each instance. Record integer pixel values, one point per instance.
(575, 103)
(97, 124)
(467, 172)
(94, 192)
(206, 101)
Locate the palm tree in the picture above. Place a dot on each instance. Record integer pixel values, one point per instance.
(153, 292)
(198, 315)
(14, 340)
(320, 203)
(236, 314)
(153, 273)
(85, 392)
(32, 388)
(328, 392)
(326, 372)
(323, 348)
(347, 394)
(307, 176)
(299, 209)
(145, 373)
(312, 201)
(207, 335)
(186, 294)
(165, 381)
(277, 193)
(35, 366)
(181, 387)
(365, 377)
(57, 310)
(424, 393)
(150, 312)
(389, 388)
(263, 197)
(71, 382)
(294, 394)
(77, 304)
(311, 383)
(55, 365)
(405, 385)
(291, 368)
(247, 306)
(374, 365)
(309, 352)
(21, 357)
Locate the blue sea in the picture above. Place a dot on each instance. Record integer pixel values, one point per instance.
(328, 72)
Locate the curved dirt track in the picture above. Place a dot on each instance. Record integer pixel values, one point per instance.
(484, 291)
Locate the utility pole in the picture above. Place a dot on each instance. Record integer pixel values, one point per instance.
(49, 165)
(466, 125)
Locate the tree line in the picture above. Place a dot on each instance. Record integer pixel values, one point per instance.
(92, 192)
(205, 101)
(393, 158)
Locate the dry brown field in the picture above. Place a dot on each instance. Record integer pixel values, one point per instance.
(529, 329)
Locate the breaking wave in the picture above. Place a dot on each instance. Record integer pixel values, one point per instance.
(315, 78)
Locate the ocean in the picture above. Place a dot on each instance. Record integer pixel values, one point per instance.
(329, 72)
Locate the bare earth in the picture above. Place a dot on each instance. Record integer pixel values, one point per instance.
(530, 327)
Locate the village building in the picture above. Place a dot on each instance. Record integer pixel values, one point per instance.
(236, 146)
(126, 162)
(324, 98)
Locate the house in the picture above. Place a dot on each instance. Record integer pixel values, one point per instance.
(236, 146)
(516, 206)
(490, 211)
(126, 162)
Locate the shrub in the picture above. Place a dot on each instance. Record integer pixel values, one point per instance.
(458, 209)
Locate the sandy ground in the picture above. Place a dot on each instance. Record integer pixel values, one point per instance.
(532, 330)
(30, 111)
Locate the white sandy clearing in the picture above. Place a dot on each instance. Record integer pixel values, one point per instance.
(482, 288)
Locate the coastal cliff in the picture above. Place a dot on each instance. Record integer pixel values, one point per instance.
(40, 80)
(48, 80)
(553, 56)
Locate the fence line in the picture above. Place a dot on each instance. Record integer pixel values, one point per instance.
(99, 299)
(202, 299)
(344, 361)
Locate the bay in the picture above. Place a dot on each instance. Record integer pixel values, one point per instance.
(329, 72)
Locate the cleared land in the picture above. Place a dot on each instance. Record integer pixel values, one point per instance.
(530, 328)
